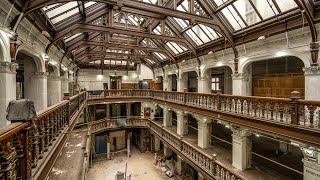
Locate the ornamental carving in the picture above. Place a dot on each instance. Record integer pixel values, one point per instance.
(54, 78)
(239, 76)
(41, 75)
(8, 67)
(313, 70)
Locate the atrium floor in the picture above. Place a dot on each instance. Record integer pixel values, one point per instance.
(140, 166)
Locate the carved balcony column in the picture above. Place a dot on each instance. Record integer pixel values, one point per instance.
(204, 131)
(312, 82)
(182, 84)
(311, 163)
(182, 123)
(128, 107)
(37, 90)
(204, 85)
(181, 165)
(54, 89)
(241, 148)
(156, 144)
(167, 117)
(240, 84)
(7, 88)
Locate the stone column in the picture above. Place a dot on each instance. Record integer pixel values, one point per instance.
(128, 144)
(165, 84)
(128, 109)
(312, 83)
(180, 165)
(167, 117)
(204, 85)
(204, 131)
(64, 85)
(156, 144)
(167, 152)
(241, 148)
(182, 123)
(181, 85)
(108, 139)
(54, 90)
(239, 84)
(107, 111)
(169, 86)
(70, 79)
(311, 163)
(36, 89)
(7, 88)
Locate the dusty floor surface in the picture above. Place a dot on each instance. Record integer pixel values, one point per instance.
(69, 163)
(140, 166)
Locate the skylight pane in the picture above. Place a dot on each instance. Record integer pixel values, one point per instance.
(174, 50)
(286, 5)
(64, 16)
(247, 11)
(61, 9)
(87, 4)
(182, 23)
(72, 37)
(210, 32)
(233, 17)
(194, 37)
(201, 34)
(264, 9)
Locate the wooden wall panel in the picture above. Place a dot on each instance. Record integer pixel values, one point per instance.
(277, 86)
(129, 86)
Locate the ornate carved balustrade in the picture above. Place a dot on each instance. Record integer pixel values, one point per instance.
(194, 155)
(25, 145)
(293, 111)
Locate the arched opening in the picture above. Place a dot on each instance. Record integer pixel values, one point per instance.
(277, 77)
(189, 81)
(31, 84)
(219, 79)
(174, 82)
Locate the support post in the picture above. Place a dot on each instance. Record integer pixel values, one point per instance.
(241, 148)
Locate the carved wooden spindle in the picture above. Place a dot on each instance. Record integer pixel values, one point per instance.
(8, 159)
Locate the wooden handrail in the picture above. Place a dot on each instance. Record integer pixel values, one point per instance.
(291, 111)
(23, 144)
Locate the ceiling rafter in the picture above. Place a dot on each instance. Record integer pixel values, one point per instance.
(79, 27)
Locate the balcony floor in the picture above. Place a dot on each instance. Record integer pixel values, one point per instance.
(224, 156)
(69, 163)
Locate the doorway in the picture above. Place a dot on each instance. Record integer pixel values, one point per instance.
(115, 82)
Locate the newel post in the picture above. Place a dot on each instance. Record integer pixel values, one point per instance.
(295, 96)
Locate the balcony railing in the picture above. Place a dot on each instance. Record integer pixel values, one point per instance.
(25, 146)
(194, 155)
(291, 111)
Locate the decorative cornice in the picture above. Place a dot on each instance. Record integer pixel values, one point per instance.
(8, 67)
(311, 71)
(239, 76)
(41, 75)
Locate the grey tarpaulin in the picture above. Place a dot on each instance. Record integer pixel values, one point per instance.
(21, 110)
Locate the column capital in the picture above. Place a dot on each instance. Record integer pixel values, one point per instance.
(239, 132)
(8, 67)
(311, 154)
(41, 75)
(202, 78)
(202, 120)
(239, 76)
(311, 71)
